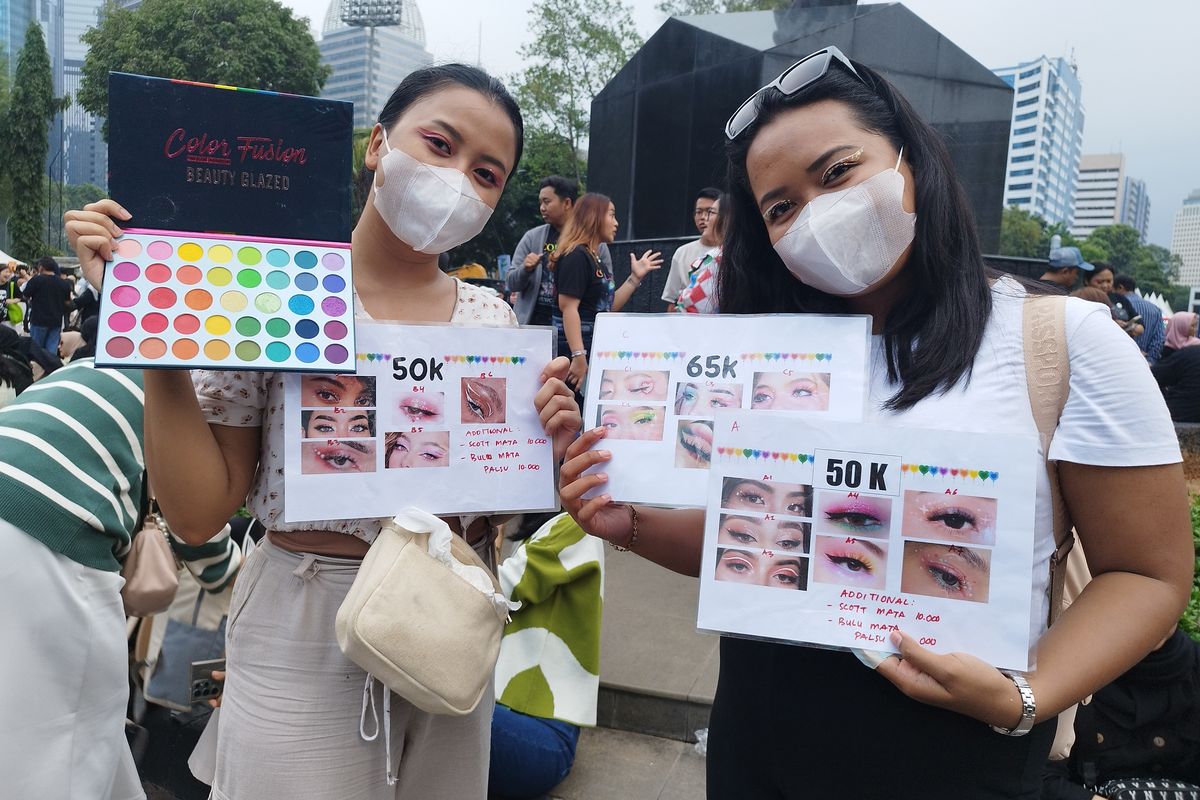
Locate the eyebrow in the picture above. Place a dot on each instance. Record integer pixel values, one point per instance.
(876, 549)
(359, 446)
(971, 558)
(729, 392)
(738, 518)
(458, 137)
(331, 382)
(780, 191)
(756, 484)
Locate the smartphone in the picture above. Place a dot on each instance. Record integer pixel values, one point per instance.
(204, 687)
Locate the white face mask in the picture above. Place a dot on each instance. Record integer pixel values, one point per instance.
(431, 209)
(843, 243)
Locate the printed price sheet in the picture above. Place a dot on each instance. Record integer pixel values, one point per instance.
(834, 534)
(439, 417)
(656, 381)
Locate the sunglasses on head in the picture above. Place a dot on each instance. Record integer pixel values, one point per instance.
(803, 73)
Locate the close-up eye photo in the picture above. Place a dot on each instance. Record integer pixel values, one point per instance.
(634, 386)
(483, 400)
(946, 570)
(693, 444)
(776, 570)
(801, 391)
(768, 497)
(337, 390)
(704, 398)
(422, 408)
(350, 456)
(848, 561)
(959, 518)
(403, 450)
(337, 423)
(853, 514)
(639, 423)
(769, 534)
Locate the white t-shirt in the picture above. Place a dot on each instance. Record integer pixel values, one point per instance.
(1115, 415)
(677, 278)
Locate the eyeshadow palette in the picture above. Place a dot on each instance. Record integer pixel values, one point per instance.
(204, 301)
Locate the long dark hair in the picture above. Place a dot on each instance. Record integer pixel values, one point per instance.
(932, 336)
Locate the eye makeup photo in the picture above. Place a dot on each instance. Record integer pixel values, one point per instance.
(801, 391)
(768, 497)
(777, 570)
(847, 561)
(344, 391)
(956, 518)
(704, 398)
(693, 444)
(334, 456)
(483, 400)
(337, 423)
(865, 515)
(422, 408)
(946, 570)
(637, 386)
(769, 534)
(638, 423)
(414, 450)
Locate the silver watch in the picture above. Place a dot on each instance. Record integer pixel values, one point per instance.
(1028, 708)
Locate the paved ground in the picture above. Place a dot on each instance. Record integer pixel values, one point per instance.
(616, 765)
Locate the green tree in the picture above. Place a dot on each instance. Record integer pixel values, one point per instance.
(1120, 244)
(31, 107)
(73, 196)
(576, 49)
(683, 8)
(257, 44)
(5, 154)
(1022, 235)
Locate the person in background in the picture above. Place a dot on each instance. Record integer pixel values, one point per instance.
(530, 275)
(1062, 273)
(585, 284)
(1101, 277)
(1122, 313)
(1181, 332)
(1155, 333)
(72, 489)
(700, 295)
(685, 255)
(10, 296)
(548, 674)
(47, 294)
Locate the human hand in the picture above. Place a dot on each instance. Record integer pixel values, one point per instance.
(219, 676)
(955, 681)
(91, 233)
(555, 403)
(598, 516)
(531, 261)
(649, 262)
(577, 372)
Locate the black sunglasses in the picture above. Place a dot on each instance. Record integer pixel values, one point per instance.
(804, 72)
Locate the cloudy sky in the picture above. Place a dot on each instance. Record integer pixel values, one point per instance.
(1139, 64)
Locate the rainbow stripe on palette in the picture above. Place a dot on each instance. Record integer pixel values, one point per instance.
(958, 473)
(197, 301)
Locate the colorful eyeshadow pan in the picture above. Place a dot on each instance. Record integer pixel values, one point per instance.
(198, 300)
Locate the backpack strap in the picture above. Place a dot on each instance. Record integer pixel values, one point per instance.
(1048, 377)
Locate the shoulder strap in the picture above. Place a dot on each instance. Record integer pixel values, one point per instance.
(1048, 377)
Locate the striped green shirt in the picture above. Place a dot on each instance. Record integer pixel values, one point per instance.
(71, 462)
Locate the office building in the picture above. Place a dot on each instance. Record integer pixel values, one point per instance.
(1185, 239)
(86, 153)
(1046, 140)
(368, 63)
(1108, 196)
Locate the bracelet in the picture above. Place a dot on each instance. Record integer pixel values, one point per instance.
(633, 519)
(577, 353)
(635, 281)
(1028, 708)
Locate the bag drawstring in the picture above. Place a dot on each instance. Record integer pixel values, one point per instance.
(309, 567)
(369, 702)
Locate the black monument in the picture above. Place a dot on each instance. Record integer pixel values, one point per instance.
(657, 129)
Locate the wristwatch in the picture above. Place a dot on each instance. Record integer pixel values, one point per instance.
(1028, 708)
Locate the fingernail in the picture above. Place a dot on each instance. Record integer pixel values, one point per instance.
(604, 453)
(606, 497)
(895, 638)
(602, 476)
(597, 431)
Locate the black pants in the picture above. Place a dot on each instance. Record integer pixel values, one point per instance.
(793, 723)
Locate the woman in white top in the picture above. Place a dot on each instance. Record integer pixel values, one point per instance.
(827, 167)
(296, 720)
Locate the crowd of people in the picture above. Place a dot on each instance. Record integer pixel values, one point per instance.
(840, 198)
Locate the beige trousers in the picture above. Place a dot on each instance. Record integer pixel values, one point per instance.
(294, 707)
